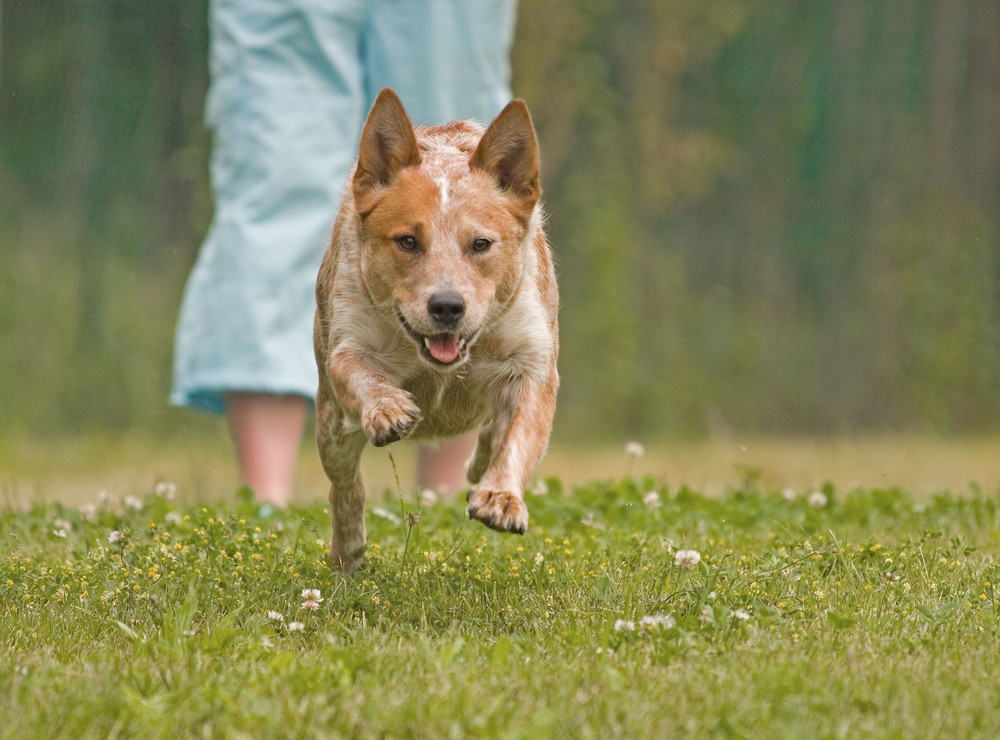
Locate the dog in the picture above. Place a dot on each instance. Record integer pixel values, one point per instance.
(436, 311)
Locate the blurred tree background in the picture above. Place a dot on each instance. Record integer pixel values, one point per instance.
(776, 218)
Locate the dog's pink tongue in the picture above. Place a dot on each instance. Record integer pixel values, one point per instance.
(444, 347)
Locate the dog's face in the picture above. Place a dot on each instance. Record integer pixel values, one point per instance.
(445, 222)
(442, 256)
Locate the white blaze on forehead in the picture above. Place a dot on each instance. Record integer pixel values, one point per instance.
(444, 163)
(442, 183)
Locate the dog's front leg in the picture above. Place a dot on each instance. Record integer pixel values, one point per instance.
(340, 452)
(517, 441)
(352, 392)
(387, 413)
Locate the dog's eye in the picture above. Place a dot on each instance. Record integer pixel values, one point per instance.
(481, 244)
(407, 243)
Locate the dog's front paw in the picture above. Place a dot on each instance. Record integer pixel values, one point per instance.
(499, 510)
(392, 417)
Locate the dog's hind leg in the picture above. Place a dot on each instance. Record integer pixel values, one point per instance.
(480, 459)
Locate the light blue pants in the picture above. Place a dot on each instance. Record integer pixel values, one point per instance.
(292, 82)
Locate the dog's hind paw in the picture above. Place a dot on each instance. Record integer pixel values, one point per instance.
(499, 510)
(391, 418)
(346, 562)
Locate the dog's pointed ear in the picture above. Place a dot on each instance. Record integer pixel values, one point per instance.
(508, 152)
(388, 144)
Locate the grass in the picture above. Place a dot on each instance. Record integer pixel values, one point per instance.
(855, 613)
(201, 463)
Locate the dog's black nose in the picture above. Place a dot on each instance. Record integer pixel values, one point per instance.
(446, 308)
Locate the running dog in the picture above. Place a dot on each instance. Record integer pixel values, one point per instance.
(437, 311)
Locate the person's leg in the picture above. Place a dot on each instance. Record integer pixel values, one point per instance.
(286, 106)
(441, 467)
(267, 430)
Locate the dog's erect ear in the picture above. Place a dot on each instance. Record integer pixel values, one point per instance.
(388, 144)
(508, 151)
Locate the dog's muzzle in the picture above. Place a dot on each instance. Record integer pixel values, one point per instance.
(444, 347)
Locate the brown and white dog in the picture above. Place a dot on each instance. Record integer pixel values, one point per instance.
(436, 311)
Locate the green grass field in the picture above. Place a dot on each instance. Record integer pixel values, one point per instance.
(838, 613)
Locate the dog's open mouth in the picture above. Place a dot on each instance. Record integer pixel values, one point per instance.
(445, 348)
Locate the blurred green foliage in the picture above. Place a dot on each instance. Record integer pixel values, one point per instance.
(769, 217)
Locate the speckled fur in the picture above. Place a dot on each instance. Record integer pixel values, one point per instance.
(447, 186)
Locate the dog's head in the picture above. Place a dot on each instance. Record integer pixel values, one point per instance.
(446, 216)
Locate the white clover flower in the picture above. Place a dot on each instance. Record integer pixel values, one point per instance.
(658, 621)
(105, 497)
(687, 559)
(652, 500)
(165, 489)
(539, 558)
(741, 614)
(276, 616)
(312, 597)
(88, 511)
(131, 502)
(382, 513)
(624, 625)
(634, 449)
(59, 533)
(63, 524)
(296, 626)
(817, 499)
(428, 497)
(173, 517)
(539, 487)
(789, 494)
(118, 538)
